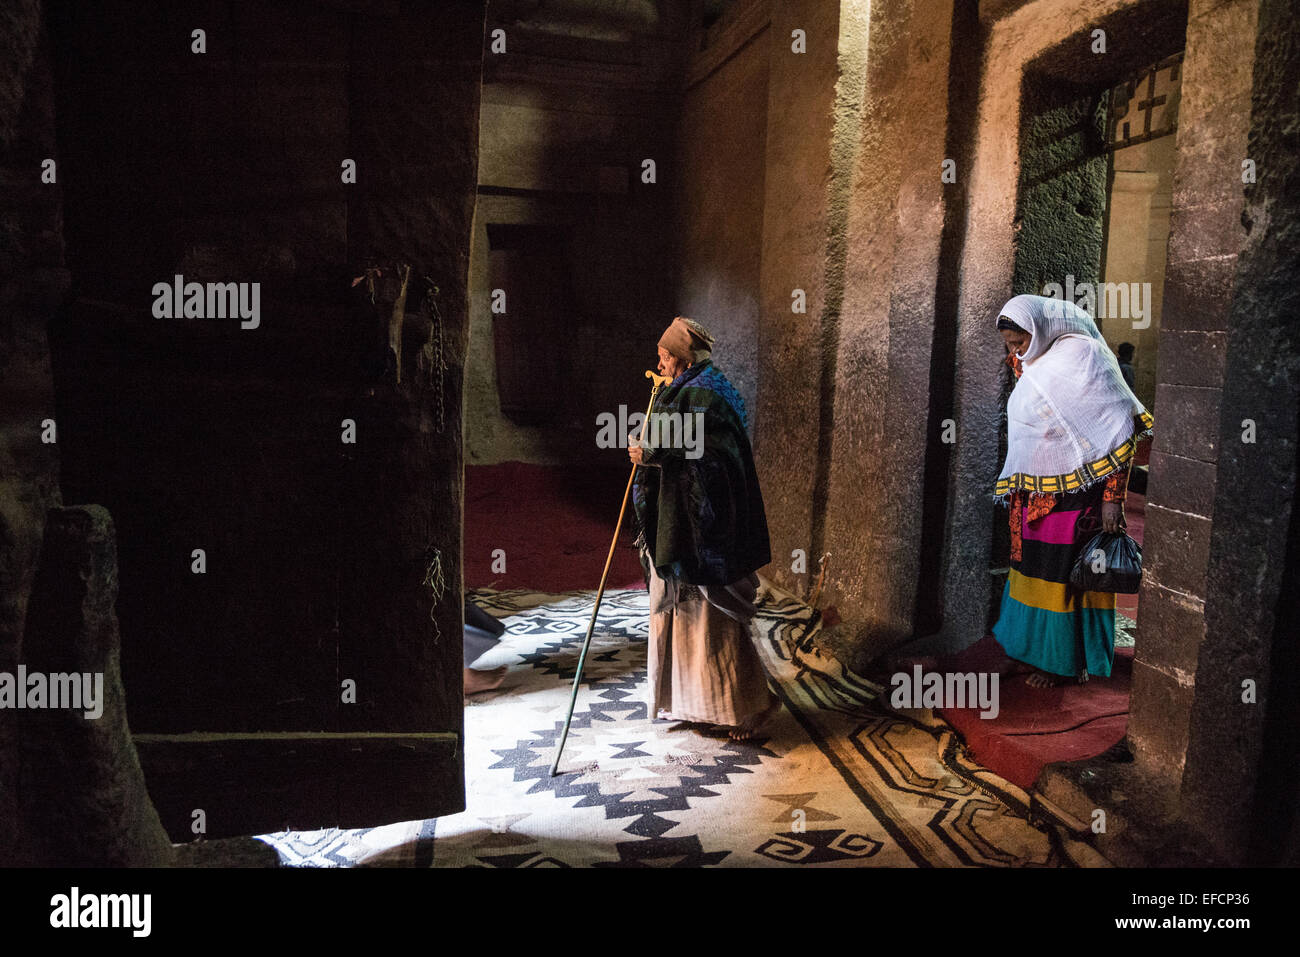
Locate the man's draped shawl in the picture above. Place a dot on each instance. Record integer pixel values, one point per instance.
(702, 519)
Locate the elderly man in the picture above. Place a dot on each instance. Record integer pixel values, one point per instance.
(703, 535)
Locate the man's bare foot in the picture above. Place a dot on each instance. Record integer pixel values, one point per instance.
(477, 681)
(751, 727)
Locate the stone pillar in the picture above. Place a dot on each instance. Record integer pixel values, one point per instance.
(83, 796)
(1240, 778)
(792, 350)
(721, 159)
(895, 218)
(320, 576)
(406, 490)
(1205, 237)
(33, 281)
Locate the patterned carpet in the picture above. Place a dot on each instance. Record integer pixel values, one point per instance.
(836, 781)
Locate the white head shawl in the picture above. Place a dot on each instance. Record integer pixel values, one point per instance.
(1070, 418)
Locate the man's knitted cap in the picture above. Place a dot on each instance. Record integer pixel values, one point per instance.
(687, 340)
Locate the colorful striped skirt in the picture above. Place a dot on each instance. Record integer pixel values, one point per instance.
(1044, 621)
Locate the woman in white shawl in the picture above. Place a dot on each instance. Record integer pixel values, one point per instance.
(1073, 425)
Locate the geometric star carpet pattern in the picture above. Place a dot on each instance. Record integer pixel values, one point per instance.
(835, 782)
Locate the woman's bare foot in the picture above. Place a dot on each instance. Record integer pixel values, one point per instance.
(751, 727)
(1041, 679)
(477, 681)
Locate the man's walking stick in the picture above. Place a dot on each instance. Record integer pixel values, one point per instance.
(658, 382)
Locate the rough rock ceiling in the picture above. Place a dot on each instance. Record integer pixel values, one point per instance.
(588, 19)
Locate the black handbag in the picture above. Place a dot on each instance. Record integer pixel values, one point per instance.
(1110, 561)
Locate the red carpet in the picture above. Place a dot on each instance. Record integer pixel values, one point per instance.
(1037, 726)
(554, 525)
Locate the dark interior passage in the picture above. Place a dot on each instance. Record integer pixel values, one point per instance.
(546, 528)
